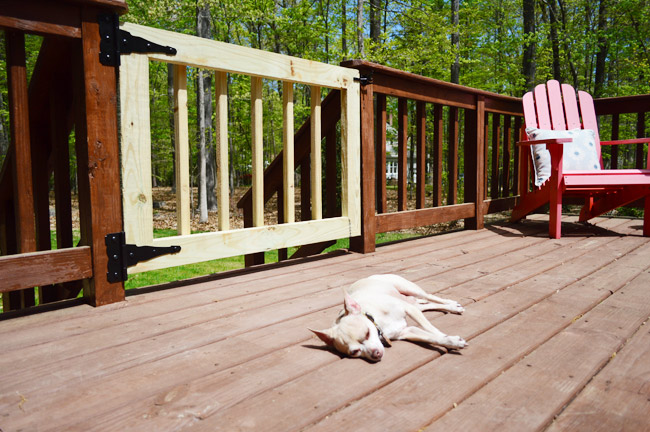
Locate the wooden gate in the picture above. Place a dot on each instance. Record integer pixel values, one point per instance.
(223, 58)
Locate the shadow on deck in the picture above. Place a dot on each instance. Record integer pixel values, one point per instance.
(555, 329)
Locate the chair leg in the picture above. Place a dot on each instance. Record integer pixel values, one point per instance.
(555, 215)
(646, 217)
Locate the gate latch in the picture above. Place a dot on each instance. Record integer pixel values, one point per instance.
(121, 256)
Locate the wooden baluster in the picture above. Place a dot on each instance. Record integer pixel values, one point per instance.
(452, 157)
(316, 161)
(486, 149)
(183, 216)
(221, 128)
(496, 138)
(438, 137)
(402, 158)
(380, 152)
(515, 177)
(421, 123)
(507, 144)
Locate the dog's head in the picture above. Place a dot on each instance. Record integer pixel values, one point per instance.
(354, 334)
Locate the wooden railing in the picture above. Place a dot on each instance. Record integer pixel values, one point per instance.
(615, 107)
(447, 118)
(68, 88)
(225, 58)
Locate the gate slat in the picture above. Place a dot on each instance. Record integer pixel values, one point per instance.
(257, 151)
(316, 165)
(182, 151)
(288, 155)
(223, 193)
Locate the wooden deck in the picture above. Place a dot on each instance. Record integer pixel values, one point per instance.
(556, 329)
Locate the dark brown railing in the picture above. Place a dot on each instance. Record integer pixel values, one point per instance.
(481, 124)
(68, 87)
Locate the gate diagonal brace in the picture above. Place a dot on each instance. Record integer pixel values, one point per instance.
(121, 256)
(114, 42)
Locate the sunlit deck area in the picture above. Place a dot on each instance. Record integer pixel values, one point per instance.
(556, 329)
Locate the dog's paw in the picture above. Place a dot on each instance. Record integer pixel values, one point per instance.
(455, 307)
(455, 342)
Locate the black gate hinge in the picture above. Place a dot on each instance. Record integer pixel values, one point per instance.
(121, 256)
(114, 42)
(364, 79)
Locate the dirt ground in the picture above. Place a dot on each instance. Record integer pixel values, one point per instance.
(164, 212)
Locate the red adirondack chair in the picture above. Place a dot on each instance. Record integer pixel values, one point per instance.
(553, 108)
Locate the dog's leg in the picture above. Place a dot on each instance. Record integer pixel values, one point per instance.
(417, 334)
(453, 308)
(414, 312)
(408, 288)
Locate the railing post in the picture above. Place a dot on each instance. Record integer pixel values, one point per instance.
(22, 160)
(100, 202)
(475, 162)
(366, 242)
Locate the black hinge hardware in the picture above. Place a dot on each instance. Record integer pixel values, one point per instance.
(114, 42)
(122, 256)
(364, 79)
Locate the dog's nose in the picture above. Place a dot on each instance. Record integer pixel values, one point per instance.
(377, 354)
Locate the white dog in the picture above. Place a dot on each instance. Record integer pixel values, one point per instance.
(375, 311)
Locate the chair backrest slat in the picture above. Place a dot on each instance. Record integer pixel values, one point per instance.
(541, 105)
(555, 105)
(530, 118)
(589, 120)
(570, 107)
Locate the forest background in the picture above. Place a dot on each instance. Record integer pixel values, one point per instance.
(504, 46)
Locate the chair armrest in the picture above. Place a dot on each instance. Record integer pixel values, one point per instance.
(545, 141)
(629, 141)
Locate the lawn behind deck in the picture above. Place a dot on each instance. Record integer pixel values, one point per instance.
(556, 331)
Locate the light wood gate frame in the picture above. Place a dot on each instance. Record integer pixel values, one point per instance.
(225, 58)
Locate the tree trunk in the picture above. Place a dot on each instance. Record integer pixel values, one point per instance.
(601, 56)
(360, 47)
(528, 69)
(344, 29)
(375, 20)
(202, 30)
(555, 44)
(455, 42)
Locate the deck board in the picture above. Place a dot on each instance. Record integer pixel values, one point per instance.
(235, 353)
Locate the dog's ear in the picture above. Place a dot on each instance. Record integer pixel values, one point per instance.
(324, 335)
(351, 306)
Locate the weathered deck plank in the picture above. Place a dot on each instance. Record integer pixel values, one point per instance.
(618, 398)
(235, 353)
